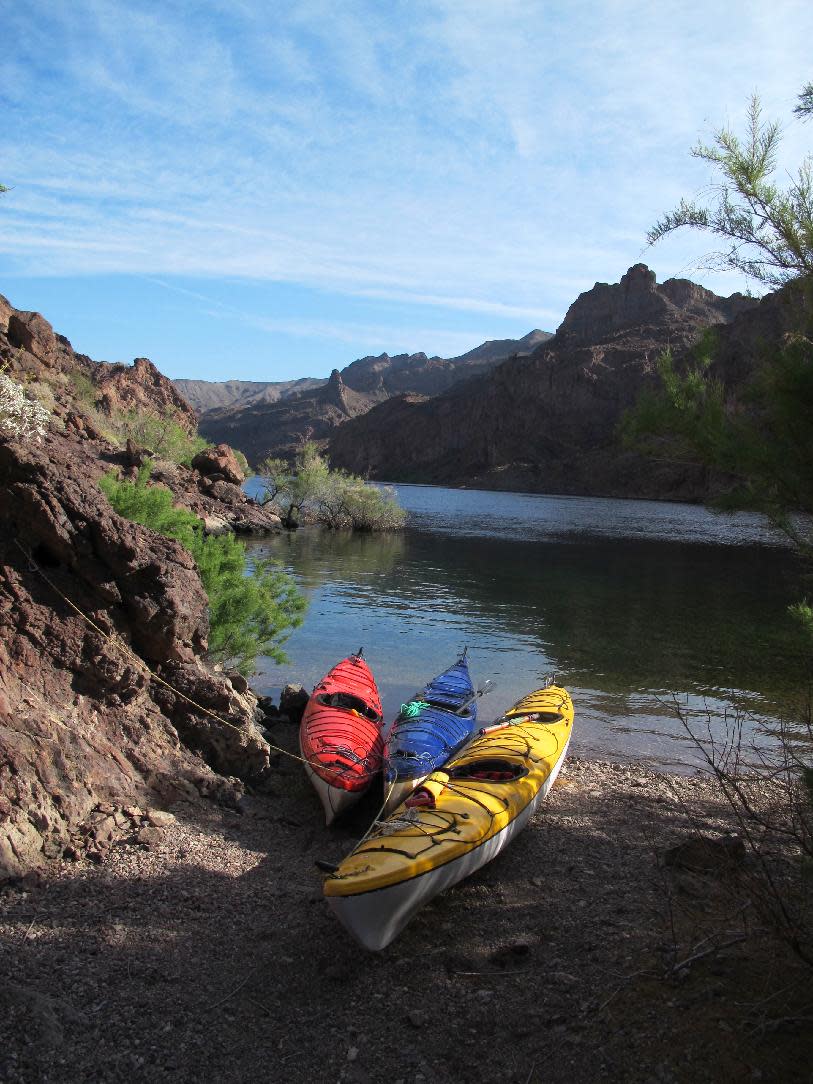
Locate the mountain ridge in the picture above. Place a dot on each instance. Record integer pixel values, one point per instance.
(547, 422)
(262, 427)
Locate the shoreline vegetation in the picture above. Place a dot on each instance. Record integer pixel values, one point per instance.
(308, 490)
(249, 615)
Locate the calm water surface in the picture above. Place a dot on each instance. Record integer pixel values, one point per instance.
(631, 603)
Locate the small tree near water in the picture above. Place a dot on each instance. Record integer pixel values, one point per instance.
(333, 497)
(761, 444)
(767, 230)
(249, 615)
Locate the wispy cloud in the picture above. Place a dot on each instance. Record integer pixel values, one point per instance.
(485, 158)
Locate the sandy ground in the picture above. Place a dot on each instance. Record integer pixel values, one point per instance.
(210, 954)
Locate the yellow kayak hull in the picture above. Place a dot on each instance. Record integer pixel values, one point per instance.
(481, 799)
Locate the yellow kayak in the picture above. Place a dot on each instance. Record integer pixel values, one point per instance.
(456, 821)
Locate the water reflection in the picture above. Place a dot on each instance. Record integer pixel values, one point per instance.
(624, 620)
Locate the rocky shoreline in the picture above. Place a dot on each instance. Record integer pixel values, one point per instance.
(200, 947)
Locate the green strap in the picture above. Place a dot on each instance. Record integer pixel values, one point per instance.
(413, 708)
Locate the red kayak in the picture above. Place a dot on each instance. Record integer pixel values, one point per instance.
(340, 735)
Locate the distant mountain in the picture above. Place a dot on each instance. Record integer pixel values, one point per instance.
(547, 422)
(203, 395)
(260, 425)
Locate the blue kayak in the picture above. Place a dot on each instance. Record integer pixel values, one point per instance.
(432, 727)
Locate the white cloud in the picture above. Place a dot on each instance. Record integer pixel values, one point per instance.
(485, 158)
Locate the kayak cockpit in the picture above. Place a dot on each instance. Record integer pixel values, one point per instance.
(493, 770)
(348, 702)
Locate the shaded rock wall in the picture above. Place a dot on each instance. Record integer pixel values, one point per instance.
(261, 428)
(82, 719)
(547, 422)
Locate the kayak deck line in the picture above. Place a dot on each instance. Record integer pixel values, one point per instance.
(459, 818)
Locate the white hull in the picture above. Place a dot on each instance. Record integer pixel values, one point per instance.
(376, 918)
(335, 800)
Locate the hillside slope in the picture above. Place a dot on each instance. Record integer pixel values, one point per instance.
(260, 427)
(107, 703)
(547, 422)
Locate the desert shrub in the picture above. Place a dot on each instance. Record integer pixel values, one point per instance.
(769, 790)
(84, 387)
(160, 434)
(242, 462)
(332, 497)
(20, 415)
(249, 615)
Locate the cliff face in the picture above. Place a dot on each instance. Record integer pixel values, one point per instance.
(105, 700)
(259, 427)
(547, 422)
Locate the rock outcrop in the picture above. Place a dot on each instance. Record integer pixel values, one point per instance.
(140, 387)
(219, 464)
(86, 398)
(104, 697)
(260, 427)
(106, 703)
(548, 422)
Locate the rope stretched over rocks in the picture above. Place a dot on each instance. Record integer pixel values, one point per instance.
(131, 656)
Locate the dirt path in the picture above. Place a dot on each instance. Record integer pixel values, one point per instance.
(211, 955)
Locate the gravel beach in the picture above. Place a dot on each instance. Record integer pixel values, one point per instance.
(201, 948)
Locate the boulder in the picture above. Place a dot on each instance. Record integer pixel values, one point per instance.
(31, 332)
(292, 703)
(219, 460)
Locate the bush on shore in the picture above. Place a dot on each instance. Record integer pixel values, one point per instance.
(249, 615)
(310, 489)
(160, 434)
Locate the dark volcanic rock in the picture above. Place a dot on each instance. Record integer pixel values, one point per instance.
(105, 700)
(548, 422)
(31, 332)
(104, 697)
(142, 388)
(637, 301)
(219, 461)
(84, 397)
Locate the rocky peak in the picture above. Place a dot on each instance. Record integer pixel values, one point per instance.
(142, 387)
(637, 300)
(335, 391)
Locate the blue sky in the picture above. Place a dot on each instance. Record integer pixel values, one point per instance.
(263, 191)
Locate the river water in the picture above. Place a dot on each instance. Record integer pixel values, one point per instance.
(637, 606)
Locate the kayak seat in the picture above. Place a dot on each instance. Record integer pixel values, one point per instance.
(491, 771)
(348, 702)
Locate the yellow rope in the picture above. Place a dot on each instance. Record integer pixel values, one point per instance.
(116, 641)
